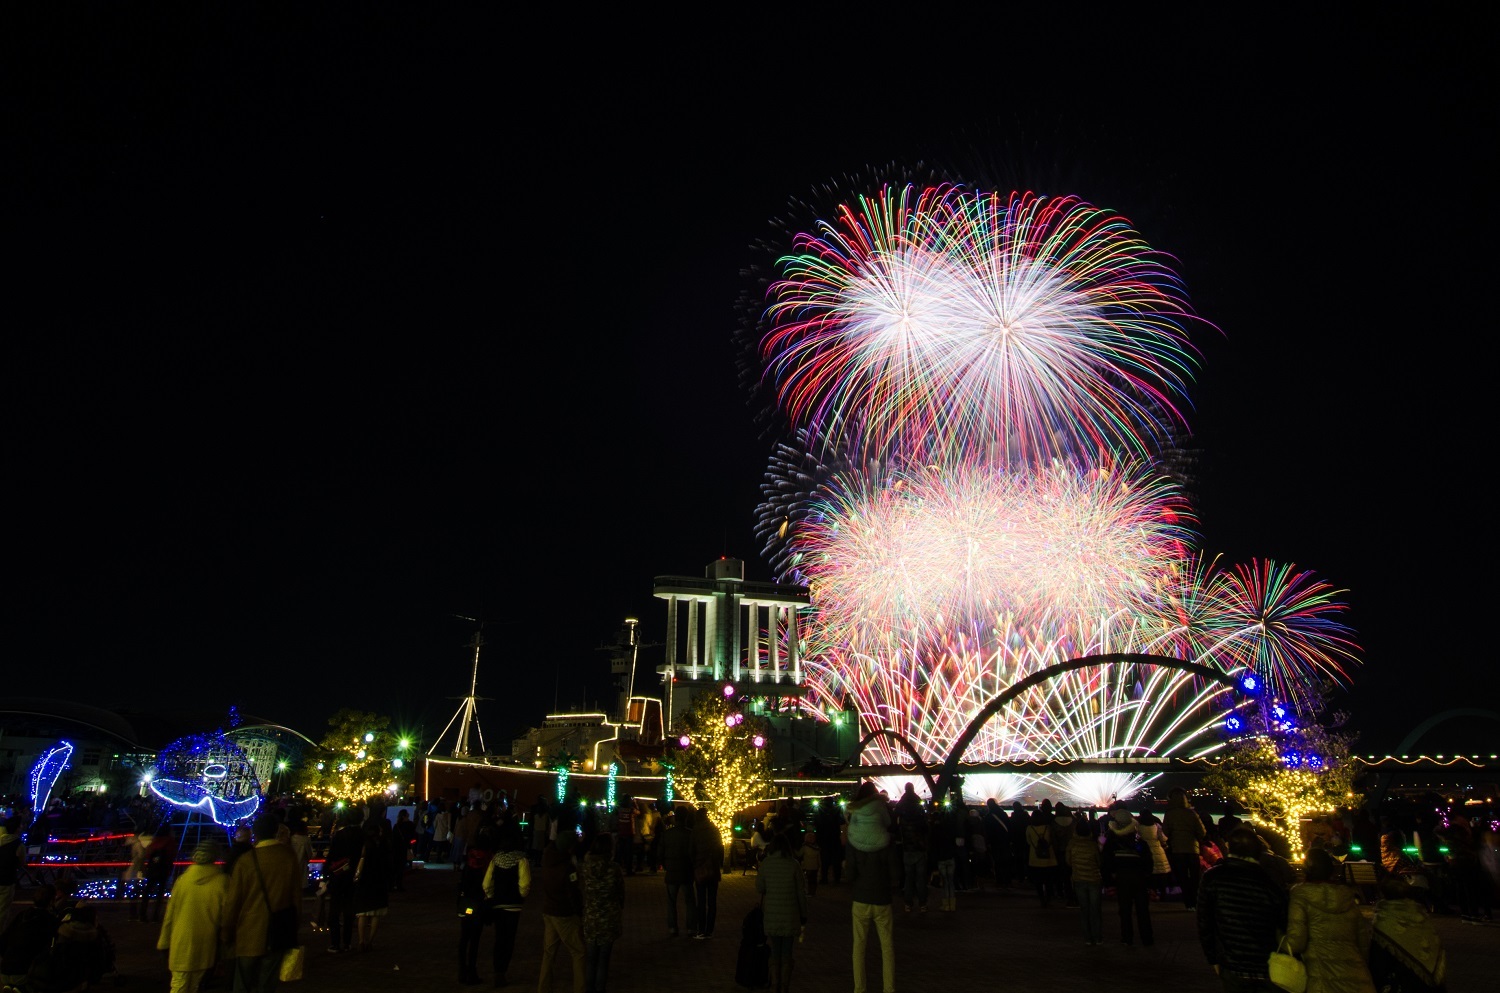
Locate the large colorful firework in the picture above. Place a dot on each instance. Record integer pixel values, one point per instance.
(943, 322)
(985, 393)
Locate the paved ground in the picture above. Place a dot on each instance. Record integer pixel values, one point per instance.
(996, 939)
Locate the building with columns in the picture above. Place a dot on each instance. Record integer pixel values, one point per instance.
(723, 628)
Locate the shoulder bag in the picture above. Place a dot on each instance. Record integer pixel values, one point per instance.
(1287, 970)
(281, 932)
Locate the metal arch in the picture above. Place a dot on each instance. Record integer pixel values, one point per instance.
(1384, 781)
(1420, 730)
(910, 748)
(949, 770)
(247, 728)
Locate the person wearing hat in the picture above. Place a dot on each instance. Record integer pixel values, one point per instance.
(190, 930)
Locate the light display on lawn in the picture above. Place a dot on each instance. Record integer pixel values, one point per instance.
(45, 774)
(209, 775)
(984, 397)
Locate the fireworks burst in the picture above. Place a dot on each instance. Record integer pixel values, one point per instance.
(984, 393)
(948, 322)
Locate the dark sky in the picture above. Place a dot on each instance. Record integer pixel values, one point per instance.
(325, 328)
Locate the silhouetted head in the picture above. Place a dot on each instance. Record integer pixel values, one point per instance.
(1244, 843)
(1318, 866)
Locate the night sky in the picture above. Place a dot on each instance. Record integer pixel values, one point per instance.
(329, 331)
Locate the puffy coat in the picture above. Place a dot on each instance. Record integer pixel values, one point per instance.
(781, 882)
(869, 824)
(1240, 910)
(1323, 927)
(1083, 858)
(1156, 845)
(195, 914)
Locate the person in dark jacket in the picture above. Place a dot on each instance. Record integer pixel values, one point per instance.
(473, 905)
(506, 883)
(1185, 835)
(1129, 867)
(28, 936)
(783, 894)
(942, 848)
(997, 841)
(874, 876)
(161, 857)
(828, 817)
(1241, 909)
(562, 910)
(707, 853)
(677, 865)
(338, 870)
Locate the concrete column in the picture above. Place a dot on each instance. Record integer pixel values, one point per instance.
(711, 620)
(773, 634)
(794, 637)
(671, 666)
(694, 644)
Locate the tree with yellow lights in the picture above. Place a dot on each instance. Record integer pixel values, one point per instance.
(723, 768)
(1282, 769)
(358, 759)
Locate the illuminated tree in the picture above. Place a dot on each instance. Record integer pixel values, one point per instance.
(359, 758)
(721, 762)
(1282, 768)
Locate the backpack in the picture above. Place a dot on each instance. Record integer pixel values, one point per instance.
(1042, 845)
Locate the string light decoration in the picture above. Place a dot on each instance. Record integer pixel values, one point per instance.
(722, 768)
(610, 786)
(1284, 769)
(357, 759)
(45, 774)
(562, 783)
(207, 774)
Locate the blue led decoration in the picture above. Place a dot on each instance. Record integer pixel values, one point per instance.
(1233, 724)
(1250, 683)
(1315, 762)
(209, 774)
(44, 775)
(609, 787)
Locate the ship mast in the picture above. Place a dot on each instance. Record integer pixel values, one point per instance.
(468, 710)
